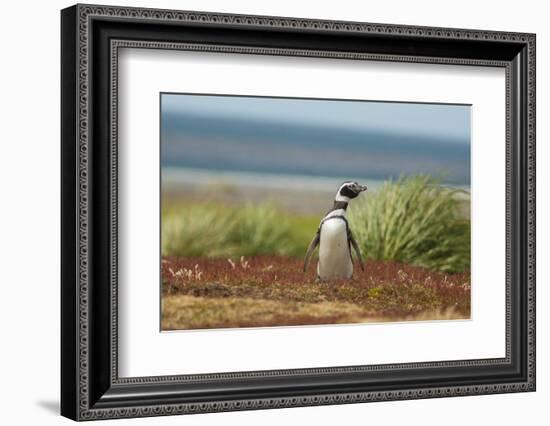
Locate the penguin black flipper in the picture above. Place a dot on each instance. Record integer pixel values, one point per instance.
(312, 246)
(351, 240)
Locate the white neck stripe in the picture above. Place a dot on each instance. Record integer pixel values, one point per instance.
(338, 212)
(340, 197)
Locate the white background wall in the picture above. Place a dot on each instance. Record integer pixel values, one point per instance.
(29, 212)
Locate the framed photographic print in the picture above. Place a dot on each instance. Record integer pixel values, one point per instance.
(263, 212)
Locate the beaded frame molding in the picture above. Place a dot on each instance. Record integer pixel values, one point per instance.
(91, 38)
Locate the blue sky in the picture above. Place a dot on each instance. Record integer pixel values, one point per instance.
(359, 139)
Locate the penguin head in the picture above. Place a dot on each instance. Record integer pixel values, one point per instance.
(349, 190)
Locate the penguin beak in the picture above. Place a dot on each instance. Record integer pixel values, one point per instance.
(360, 188)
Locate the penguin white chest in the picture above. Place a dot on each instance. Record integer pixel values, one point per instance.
(334, 254)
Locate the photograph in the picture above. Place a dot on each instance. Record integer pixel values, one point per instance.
(281, 211)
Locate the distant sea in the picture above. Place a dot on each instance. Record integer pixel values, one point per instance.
(176, 179)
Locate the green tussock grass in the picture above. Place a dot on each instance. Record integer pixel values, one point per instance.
(413, 220)
(215, 230)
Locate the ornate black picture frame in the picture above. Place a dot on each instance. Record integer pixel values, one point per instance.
(91, 36)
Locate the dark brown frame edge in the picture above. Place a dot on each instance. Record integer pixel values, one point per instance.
(90, 388)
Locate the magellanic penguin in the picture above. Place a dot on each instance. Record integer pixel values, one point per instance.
(335, 238)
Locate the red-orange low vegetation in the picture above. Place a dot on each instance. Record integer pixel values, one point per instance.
(273, 291)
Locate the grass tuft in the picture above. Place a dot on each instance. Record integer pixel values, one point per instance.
(413, 220)
(215, 230)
